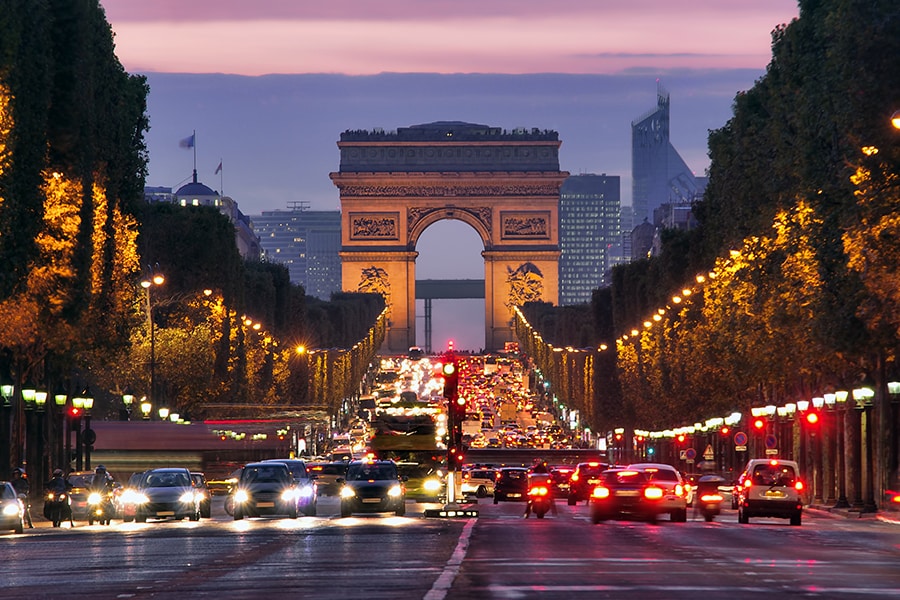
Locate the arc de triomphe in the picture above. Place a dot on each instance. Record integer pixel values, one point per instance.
(504, 184)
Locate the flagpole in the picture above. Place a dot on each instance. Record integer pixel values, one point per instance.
(221, 180)
(195, 152)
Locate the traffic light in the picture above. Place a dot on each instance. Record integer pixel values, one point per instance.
(759, 425)
(75, 412)
(451, 379)
(812, 418)
(725, 431)
(454, 459)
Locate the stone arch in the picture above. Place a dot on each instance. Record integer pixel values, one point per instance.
(505, 185)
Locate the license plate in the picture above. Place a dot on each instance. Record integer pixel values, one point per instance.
(265, 505)
(371, 500)
(514, 495)
(774, 494)
(627, 493)
(166, 513)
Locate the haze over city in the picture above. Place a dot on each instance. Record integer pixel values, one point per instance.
(269, 87)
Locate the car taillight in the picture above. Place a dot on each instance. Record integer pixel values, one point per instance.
(747, 483)
(798, 486)
(711, 498)
(600, 492)
(653, 493)
(574, 477)
(538, 491)
(679, 489)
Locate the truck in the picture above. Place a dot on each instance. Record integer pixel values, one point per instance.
(410, 440)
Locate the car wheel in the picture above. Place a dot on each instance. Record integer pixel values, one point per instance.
(401, 510)
(229, 505)
(481, 492)
(680, 516)
(310, 510)
(127, 519)
(596, 517)
(652, 519)
(795, 520)
(195, 516)
(141, 519)
(345, 511)
(20, 527)
(742, 517)
(238, 514)
(90, 520)
(496, 499)
(572, 500)
(292, 513)
(206, 511)
(709, 517)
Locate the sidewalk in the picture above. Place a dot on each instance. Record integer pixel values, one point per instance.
(887, 516)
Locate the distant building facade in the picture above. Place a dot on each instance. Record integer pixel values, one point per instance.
(589, 230)
(307, 242)
(659, 175)
(195, 193)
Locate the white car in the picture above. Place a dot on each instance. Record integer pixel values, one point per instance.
(770, 488)
(478, 482)
(675, 491)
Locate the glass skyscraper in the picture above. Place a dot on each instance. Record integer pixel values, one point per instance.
(589, 228)
(307, 242)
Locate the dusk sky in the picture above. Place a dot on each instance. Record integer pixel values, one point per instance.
(270, 85)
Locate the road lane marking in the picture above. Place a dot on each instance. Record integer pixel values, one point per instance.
(444, 581)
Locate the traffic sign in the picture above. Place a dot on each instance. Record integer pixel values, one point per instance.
(771, 441)
(740, 439)
(690, 454)
(708, 453)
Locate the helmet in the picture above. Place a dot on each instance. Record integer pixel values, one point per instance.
(19, 471)
(101, 469)
(57, 472)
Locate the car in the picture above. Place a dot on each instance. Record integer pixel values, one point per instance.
(511, 484)
(770, 487)
(626, 493)
(372, 486)
(12, 511)
(167, 492)
(559, 480)
(129, 496)
(668, 478)
(478, 482)
(79, 492)
(202, 488)
(266, 488)
(305, 481)
(327, 475)
(423, 482)
(583, 480)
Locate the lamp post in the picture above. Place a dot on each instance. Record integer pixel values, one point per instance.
(60, 399)
(128, 401)
(6, 390)
(163, 413)
(40, 468)
(864, 397)
(840, 402)
(89, 436)
(154, 278)
(146, 407)
(26, 450)
(77, 412)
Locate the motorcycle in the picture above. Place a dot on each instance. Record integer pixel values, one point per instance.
(539, 497)
(24, 499)
(58, 508)
(100, 508)
(708, 498)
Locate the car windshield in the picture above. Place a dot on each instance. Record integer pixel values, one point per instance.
(165, 479)
(662, 474)
(769, 474)
(266, 474)
(624, 478)
(80, 481)
(330, 469)
(7, 492)
(370, 472)
(513, 474)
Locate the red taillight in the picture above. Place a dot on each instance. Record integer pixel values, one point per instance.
(538, 491)
(747, 483)
(711, 498)
(679, 490)
(653, 493)
(896, 499)
(798, 486)
(574, 477)
(600, 492)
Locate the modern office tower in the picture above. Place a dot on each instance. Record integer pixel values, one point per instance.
(307, 242)
(589, 229)
(659, 175)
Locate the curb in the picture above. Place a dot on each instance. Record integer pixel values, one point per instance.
(891, 517)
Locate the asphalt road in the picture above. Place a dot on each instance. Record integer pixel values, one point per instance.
(497, 555)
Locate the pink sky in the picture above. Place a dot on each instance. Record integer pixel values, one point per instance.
(361, 37)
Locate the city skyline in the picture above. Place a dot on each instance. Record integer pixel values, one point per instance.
(580, 68)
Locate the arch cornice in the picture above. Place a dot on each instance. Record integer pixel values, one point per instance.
(419, 218)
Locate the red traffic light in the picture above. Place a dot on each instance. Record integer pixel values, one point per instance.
(74, 412)
(812, 418)
(758, 424)
(681, 438)
(725, 430)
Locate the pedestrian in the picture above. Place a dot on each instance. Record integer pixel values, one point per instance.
(20, 484)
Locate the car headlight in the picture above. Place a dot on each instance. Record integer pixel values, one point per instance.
(290, 494)
(188, 497)
(10, 510)
(94, 498)
(241, 496)
(306, 491)
(395, 491)
(347, 492)
(432, 485)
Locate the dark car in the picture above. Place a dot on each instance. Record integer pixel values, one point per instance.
(266, 488)
(626, 493)
(559, 480)
(129, 497)
(12, 511)
(583, 480)
(327, 475)
(202, 488)
(165, 493)
(79, 492)
(372, 486)
(511, 484)
(305, 481)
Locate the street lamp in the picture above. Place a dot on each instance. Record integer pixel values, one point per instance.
(60, 399)
(146, 407)
(864, 397)
(127, 400)
(895, 119)
(154, 278)
(163, 413)
(840, 403)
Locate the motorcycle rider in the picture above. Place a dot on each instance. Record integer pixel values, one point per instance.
(540, 472)
(59, 484)
(20, 484)
(101, 482)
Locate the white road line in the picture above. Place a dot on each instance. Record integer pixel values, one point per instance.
(444, 582)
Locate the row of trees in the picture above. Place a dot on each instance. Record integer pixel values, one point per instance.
(796, 251)
(77, 238)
